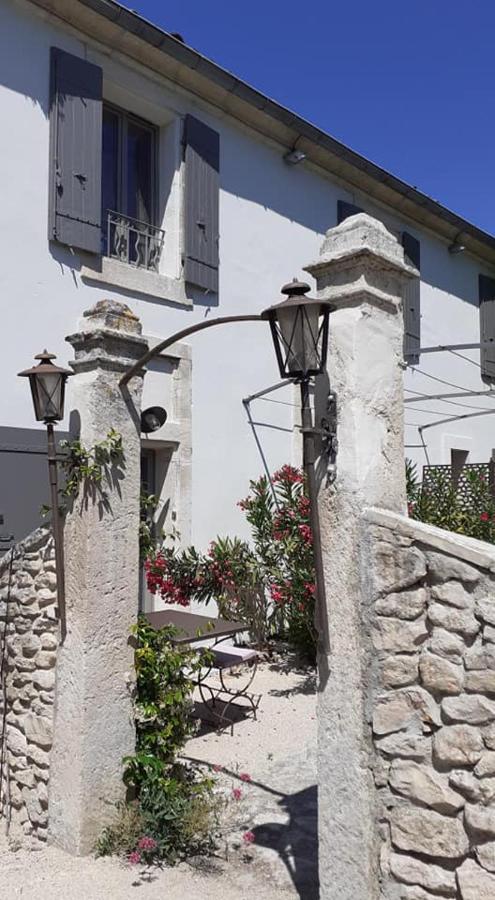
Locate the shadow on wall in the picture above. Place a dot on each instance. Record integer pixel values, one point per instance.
(250, 169)
(257, 172)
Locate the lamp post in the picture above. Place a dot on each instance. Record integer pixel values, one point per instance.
(47, 382)
(299, 327)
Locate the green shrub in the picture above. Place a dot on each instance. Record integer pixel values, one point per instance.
(438, 502)
(269, 584)
(172, 811)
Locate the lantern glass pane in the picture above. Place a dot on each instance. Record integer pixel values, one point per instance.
(299, 330)
(48, 392)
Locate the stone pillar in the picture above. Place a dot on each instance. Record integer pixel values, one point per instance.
(94, 726)
(362, 270)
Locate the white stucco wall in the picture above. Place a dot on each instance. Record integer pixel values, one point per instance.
(272, 218)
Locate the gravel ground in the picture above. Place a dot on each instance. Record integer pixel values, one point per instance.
(278, 805)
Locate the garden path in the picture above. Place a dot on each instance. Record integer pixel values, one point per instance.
(278, 805)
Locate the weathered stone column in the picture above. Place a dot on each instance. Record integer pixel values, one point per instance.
(94, 727)
(362, 270)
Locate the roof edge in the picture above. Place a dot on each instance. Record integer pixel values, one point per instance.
(157, 49)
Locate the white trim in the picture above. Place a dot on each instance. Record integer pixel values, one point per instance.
(141, 281)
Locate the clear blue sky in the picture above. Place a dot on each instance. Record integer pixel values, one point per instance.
(410, 85)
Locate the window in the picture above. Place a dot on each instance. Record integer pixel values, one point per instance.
(129, 190)
(103, 194)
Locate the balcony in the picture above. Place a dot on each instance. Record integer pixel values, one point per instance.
(133, 242)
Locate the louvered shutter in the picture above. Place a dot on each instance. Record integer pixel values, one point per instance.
(202, 166)
(344, 210)
(76, 142)
(487, 327)
(412, 301)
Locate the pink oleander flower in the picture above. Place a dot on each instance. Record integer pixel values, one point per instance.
(236, 793)
(147, 843)
(484, 517)
(217, 768)
(134, 857)
(248, 837)
(244, 776)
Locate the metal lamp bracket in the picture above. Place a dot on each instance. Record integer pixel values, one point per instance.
(329, 436)
(327, 433)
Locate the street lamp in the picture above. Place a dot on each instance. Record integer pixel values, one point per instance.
(47, 382)
(299, 327)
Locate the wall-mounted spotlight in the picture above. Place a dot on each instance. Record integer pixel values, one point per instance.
(294, 156)
(152, 419)
(456, 247)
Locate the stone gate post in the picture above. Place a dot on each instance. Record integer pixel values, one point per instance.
(93, 727)
(362, 270)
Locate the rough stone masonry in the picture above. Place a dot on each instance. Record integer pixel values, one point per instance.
(431, 699)
(28, 641)
(406, 710)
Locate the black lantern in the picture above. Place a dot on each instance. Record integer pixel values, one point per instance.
(299, 327)
(47, 383)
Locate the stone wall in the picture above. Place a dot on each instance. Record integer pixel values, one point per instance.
(429, 676)
(29, 625)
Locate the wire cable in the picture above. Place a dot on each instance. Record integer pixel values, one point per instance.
(422, 396)
(459, 387)
(461, 356)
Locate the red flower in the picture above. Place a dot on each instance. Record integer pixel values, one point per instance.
(217, 768)
(306, 533)
(248, 837)
(134, 857)
(288, 474)
(276, 593)
(244, 776)
(484, 517)
(147, 843)
(236, 793)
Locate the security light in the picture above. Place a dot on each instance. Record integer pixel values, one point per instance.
(294, 156)
(152, 419)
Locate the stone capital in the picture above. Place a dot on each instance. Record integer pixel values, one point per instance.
(109, 337)
(361, 262)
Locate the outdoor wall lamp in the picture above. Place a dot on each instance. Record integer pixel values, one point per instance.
(294, 156)
(152, 419)
(47, 382)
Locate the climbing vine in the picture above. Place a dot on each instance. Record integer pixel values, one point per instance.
(87, 466)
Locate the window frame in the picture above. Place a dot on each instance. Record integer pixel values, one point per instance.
(123, 119)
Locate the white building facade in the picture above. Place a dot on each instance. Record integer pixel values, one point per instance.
(134, 169)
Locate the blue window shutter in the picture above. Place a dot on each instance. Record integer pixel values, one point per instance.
(487, 327)
(412, 301)
(202, 166)
(344, 210)
(75, 143)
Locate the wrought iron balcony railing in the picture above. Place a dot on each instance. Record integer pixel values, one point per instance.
(131, 241)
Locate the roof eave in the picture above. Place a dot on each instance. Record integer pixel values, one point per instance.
(124, 30)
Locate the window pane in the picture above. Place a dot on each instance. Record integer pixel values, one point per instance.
(110, 169)
(139, 173)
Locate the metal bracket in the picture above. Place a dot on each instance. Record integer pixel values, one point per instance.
(329, 436)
